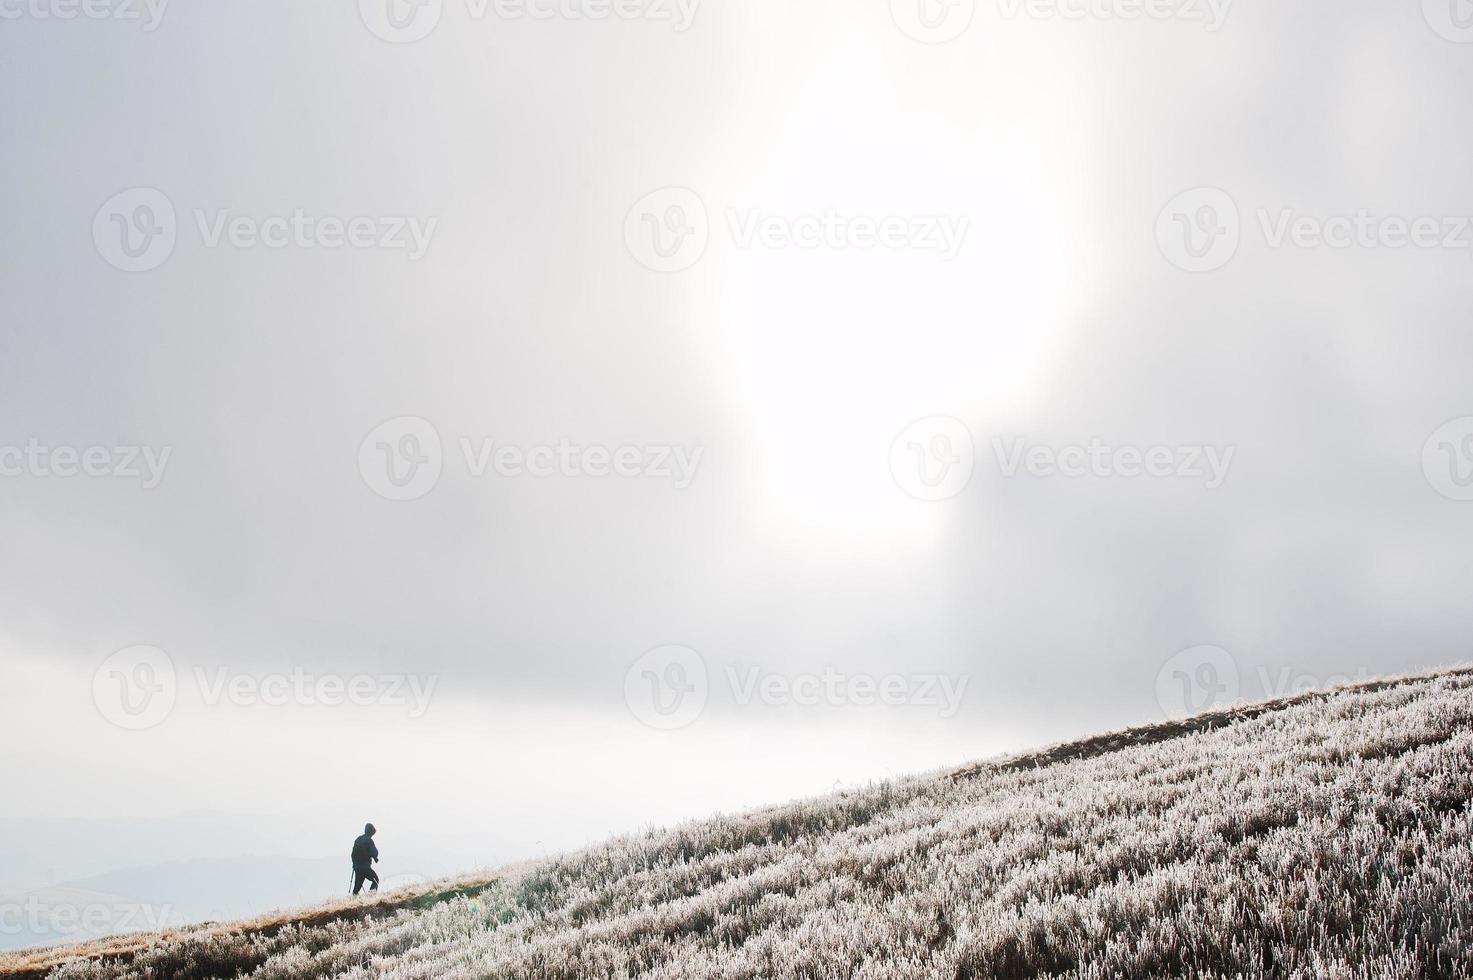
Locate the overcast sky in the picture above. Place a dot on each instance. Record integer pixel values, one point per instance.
(704, 405)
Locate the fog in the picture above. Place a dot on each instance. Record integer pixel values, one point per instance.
(519, 424)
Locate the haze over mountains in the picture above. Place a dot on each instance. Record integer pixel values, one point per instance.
(193, 867)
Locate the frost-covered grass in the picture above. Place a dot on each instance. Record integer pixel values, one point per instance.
(1328, 838)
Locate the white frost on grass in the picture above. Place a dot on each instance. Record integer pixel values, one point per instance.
(1326, 839)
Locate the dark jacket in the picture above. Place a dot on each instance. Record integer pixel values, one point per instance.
(365, 851)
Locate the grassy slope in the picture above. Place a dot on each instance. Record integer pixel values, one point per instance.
(1321, 836)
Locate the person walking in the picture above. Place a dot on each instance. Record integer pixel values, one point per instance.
(365, 853)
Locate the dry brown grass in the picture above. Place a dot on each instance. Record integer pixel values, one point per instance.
(121, 949)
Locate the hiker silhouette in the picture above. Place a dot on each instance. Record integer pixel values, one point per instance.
(365, 852)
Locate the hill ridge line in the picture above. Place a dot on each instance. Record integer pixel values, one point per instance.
(1094, 746)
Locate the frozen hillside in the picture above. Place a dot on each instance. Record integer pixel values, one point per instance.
(1324, 836)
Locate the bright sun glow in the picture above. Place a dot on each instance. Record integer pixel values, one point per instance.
(829, 353)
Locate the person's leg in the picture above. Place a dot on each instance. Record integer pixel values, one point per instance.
(358, 877)
(373, 877)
